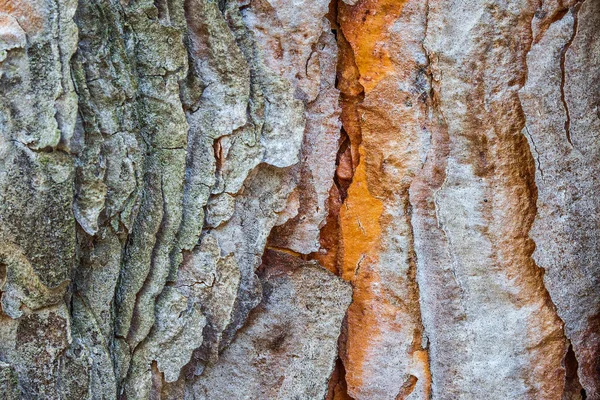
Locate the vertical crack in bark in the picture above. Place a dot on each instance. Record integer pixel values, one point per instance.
(573, 388)
(346, 161)
(569, 363)
(563, 55)
(537, 153)
(368, 63)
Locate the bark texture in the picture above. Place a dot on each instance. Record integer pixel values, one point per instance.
(307, 199)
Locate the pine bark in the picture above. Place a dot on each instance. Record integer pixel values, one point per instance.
(308, 199)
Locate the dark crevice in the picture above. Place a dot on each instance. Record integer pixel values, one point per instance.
(338, 389)
(574, 11)
(2, 281)
(163, 10)
(346, 163)
(342, 182)
(573, 387)
(2, 274)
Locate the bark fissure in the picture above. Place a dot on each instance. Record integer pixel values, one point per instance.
(574, 10)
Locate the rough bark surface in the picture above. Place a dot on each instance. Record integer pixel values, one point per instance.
(308, 199)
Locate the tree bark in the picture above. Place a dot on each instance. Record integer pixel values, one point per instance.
(308, 199)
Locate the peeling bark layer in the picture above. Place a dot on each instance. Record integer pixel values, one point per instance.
(182, 180)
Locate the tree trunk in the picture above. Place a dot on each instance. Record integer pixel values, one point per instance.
(277, 199)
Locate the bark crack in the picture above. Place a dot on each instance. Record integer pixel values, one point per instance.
(563, 55)
(537, 154)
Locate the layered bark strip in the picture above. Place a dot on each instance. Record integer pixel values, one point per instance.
(299, 199)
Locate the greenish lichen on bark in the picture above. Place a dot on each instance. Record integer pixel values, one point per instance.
(155, 151)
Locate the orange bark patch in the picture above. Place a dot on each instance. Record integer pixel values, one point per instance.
(365, 26)
(381, 122)
(359, 220)
(421, 363)
(30, 17)
(360, 235)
